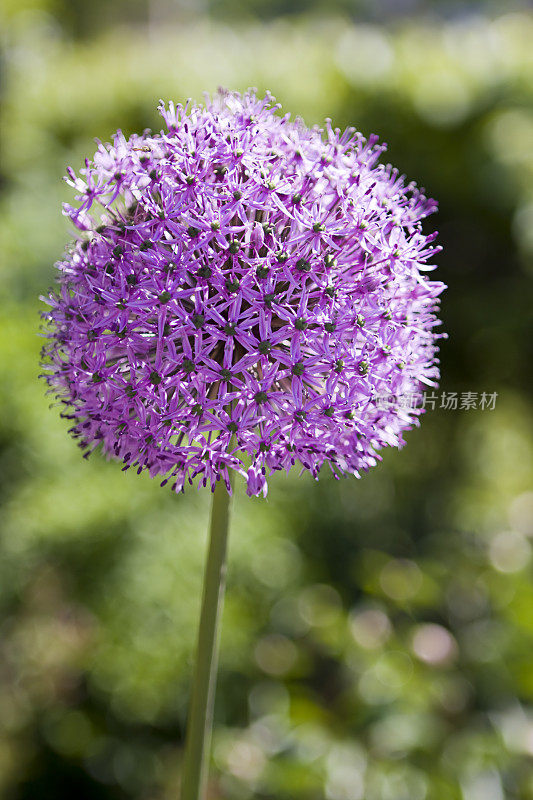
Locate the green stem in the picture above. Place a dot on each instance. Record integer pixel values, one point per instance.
(200, 719)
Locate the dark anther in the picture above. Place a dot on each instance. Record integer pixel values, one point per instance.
(298, 368)
(264, 347)
(229, 328)
(318, 227)
(331, 291)
(261, 272)
(97, 378)
(300, 415)
(363, 368)
(221, 170)
(260, 397)
(329, 412)
(118, 176)
(85, 246)
(197, 409)
(101, 228)
(360, 320)
(281, 256)
(146, 245)
(226, 374)
(164, 297)
(130, 391)
(232, 427)
(205, 272)
(297, 198)
(121, 334)
(330, 327)
(188, 365)
(118, 250)
(131, 279)
(232, 284)
(234, 247)
(153, 174)
(155, 378)
(198, 320)
(339, 366)
(264, 447)
(269, 298)
(192, 231)
(330, 261)
(121, 304)
(300, 324)
(215, 226)
(189, 180)
(237, 195)
(109, 268)
(303, 265)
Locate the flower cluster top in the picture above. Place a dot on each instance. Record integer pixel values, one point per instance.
(240, 291)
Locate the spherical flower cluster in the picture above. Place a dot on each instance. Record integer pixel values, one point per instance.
(241, 292)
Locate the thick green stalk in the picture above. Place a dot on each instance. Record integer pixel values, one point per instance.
(200, 719)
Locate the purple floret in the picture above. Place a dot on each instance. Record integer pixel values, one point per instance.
(242, 292)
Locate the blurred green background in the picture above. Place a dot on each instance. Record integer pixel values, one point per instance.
(378, 634)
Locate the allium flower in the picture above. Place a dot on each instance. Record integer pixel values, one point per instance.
(241, 291)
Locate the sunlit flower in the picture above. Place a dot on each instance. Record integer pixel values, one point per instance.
(241, 291)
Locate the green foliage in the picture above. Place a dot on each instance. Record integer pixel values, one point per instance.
(378, 633)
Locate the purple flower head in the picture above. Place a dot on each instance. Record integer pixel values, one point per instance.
(242, 291)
